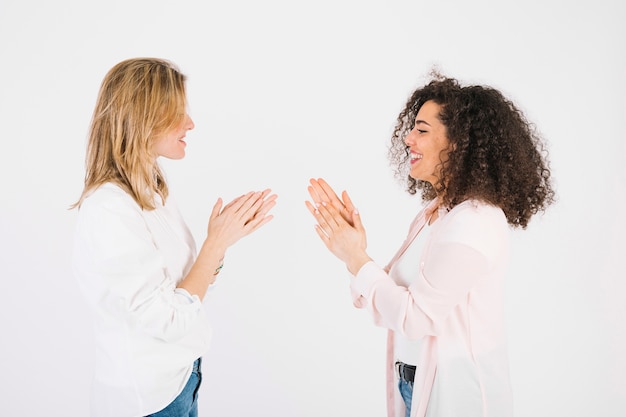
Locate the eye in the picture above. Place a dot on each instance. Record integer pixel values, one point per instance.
(421, 131)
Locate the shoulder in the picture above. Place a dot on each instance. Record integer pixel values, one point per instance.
(476, 211)
(106, 194)
(108, 201)
(474, 221)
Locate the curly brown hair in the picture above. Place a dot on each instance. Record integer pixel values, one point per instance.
(495, 154)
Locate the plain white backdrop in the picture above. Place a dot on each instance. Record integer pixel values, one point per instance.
(282, 91)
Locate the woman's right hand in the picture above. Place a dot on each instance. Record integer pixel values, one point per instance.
(239, 218)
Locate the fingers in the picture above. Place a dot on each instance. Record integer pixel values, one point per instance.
(329, 220)
(256, 223)
(262, 204)
(329, 216)
(329, 194)
(247, 204)
(267, 205)
(236, 203)
(246, 207)
(328, 191)
(321, 191)
(322, 235)
(356, 221)
(240, 217)
(311, 207)
(314, 195)
(216, 209)
(253, 212)
(347, 202)
(260, 217)
(315, 190)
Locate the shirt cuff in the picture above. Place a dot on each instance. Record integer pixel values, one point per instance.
(366, 277)
(183, 292)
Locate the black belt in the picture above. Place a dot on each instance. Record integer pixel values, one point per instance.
(406, 372)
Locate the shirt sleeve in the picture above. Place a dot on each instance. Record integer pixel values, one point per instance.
(458, 257)
(122, 271)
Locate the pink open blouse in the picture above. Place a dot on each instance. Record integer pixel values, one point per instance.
(455, 305)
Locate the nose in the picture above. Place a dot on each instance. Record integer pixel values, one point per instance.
(189, 124)
(409, 139)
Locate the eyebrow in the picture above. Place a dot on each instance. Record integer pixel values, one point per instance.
(421, 121)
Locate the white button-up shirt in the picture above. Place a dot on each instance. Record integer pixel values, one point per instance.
(148, 333)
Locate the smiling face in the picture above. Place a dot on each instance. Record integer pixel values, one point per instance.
(171, 144)
(428, 143)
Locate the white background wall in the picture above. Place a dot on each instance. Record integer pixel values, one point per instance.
(282, 91)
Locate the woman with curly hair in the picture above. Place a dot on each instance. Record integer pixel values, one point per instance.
(481, 170)
(134, 257)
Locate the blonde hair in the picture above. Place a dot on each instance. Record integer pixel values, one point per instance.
(139, 99)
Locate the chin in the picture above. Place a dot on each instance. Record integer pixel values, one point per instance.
(174, 157)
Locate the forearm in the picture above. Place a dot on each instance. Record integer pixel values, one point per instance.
(390, 304)
(204, 270)
(444, 281)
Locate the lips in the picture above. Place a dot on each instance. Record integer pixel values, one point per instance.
(415, 157)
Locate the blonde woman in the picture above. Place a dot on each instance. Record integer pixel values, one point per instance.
(134, 257)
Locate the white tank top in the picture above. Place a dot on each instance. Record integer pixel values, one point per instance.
(404, 271)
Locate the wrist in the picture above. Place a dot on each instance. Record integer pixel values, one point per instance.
(211, 260)
(218, 268)
(213, 250)
(355, 264)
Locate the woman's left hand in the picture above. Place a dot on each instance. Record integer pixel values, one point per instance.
(342, 232)
(320, 191)
(239, 218)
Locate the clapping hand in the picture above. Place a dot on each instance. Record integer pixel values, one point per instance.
(338, 224)
(240, 217)
(321, 192)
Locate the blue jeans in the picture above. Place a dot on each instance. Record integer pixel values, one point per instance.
(406, 390)
(186, 404)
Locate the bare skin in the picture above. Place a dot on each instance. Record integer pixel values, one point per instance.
(227, 225)
(338, 222)
(339, 225)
